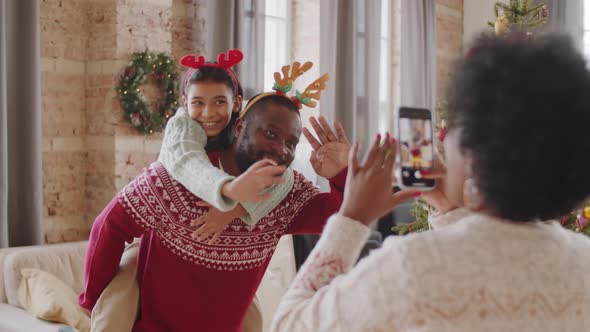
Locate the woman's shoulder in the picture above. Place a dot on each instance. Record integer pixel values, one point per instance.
(480, 242)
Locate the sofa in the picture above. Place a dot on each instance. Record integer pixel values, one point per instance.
(66, 262)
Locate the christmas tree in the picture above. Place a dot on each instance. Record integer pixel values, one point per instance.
(518, 15)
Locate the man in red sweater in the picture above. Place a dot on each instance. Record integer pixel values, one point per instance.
(190, 285)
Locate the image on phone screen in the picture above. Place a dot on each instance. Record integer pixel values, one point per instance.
(416, 147)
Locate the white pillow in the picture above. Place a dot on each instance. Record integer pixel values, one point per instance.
(46, 297)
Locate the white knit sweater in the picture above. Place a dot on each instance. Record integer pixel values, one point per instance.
(475, 274)
(184, 157)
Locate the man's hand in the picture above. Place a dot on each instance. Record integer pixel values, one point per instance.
(214, 222)
(249, 186)
(330, 153)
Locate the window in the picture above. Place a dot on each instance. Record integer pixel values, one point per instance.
(384, 114)
(278, 50)
(385, 74)
(276, 38)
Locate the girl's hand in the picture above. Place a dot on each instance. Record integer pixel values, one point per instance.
(214, 222)
(250, 186)
(368, 194)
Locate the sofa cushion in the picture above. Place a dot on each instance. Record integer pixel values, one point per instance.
(65, 261)
(3, 254)
(13, 319)
(46, 297)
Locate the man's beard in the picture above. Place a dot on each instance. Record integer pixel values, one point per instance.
(246, 155)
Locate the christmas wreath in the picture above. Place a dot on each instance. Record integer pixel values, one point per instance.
(162, 71)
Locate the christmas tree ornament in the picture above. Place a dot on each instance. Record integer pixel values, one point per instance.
(581, 222)
(501, 25)
(563, 220)
(441, 134)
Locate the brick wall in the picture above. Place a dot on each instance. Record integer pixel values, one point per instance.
(89, 150)
(63, 53)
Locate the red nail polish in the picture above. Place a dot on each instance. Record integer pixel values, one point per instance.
(378, 136)
(425, 172)
(417, 194)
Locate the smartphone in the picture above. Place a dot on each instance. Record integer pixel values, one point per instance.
(416, 147)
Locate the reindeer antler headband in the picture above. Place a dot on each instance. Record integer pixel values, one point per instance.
(284, 84)
(224, 61)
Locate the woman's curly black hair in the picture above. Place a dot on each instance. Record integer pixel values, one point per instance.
(522, 108)
(221, 75)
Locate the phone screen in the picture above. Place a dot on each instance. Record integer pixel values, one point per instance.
(416, 147)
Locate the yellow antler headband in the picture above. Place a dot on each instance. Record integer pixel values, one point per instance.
(284, 84)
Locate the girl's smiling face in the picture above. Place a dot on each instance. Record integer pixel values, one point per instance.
(211, 104)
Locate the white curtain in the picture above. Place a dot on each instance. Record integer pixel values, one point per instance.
(418, 65)
(350, 46)
(350, 52)
(566, 17)
(20, 124)
(418, 54)
(238, 24)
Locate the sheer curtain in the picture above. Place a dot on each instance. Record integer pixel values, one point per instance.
(417, 72)
(418, 54)
(566, 17)
(20, 124)
(238, 24)
(350, 52)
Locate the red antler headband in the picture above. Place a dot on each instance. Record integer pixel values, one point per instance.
(224, 61)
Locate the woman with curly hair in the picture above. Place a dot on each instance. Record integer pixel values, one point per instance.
(517, 157)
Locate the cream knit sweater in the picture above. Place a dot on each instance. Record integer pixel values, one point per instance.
(476, 273)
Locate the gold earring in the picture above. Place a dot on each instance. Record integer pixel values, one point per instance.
(471, 197)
